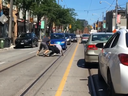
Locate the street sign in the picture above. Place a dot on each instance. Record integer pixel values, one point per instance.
(42, 24)
(104, 25)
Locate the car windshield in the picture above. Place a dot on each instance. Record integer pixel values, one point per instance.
(66, 35)
(101, 37)
(85, 35)
(25, 35)
(72, 35)
(57, 36)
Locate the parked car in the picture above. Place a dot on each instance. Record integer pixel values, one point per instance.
(91, 52)
(27, 39)
(68, 38)
(73, 37)
(113, 63)
(59, 38)
(84, 38)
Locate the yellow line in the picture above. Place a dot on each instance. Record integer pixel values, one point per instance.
(63, 81)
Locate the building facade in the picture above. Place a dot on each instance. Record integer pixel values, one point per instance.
(110, 20)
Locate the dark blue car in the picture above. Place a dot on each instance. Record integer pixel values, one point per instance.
(59, 38)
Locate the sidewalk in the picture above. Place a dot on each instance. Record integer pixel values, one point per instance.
(7, 48)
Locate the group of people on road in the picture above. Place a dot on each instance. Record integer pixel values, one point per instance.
(49, 49)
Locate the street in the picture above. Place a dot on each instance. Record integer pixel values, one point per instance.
(24, 74)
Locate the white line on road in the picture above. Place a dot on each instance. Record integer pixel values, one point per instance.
(2, 63)
(32, 52)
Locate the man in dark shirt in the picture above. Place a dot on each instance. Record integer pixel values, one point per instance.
(44, 45)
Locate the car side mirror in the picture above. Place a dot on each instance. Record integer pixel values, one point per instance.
(99, 45)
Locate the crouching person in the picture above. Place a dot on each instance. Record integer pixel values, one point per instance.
(55, 48)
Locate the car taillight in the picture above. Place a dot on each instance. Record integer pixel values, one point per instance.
(92, 47)
(123, 59)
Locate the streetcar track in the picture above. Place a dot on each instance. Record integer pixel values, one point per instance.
(47, 69)
(26, 59)
(25, 90)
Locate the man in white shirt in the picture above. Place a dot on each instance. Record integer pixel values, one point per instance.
(56, 48)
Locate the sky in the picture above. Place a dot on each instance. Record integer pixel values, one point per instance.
(91, 10)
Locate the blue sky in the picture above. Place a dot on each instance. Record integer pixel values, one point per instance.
(85, 8)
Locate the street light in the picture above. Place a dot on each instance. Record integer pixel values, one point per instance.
(107, 3)
(116, 8)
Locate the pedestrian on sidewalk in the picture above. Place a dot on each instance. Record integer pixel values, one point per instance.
(44, 45)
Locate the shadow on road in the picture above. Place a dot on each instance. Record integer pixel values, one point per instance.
(22, 47)
(100, 86)
(81, 63)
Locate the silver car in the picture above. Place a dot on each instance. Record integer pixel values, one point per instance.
(84, 38)
(113, 63)
(91, 52)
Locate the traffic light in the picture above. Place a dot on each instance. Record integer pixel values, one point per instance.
(70, 26)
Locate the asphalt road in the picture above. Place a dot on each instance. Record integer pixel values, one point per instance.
(66, 76)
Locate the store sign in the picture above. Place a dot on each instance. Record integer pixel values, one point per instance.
(104, 25)
(118, 18)
(42, 24)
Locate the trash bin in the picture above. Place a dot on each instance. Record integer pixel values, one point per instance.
(1, 43)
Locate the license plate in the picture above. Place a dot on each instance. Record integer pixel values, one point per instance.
(21, 43)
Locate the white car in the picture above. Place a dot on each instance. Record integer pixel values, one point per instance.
(113, 63)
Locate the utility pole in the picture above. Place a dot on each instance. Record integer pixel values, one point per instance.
(116, 27)
(103, 16)
(10, 19)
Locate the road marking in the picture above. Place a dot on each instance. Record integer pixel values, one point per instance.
(2, 63)
(63, 81)
(32, 52)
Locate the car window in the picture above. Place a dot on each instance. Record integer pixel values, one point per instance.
(85, 35)
(101, 37)
(109, 42)
(57, 36)
(115, 40)
(72, 35)
(127, 39)
(66, 35)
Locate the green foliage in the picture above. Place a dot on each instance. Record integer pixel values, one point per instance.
(50, 9)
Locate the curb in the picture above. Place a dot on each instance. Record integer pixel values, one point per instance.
(7, 48)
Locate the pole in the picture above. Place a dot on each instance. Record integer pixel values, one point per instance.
(58, 1)
(103, 16)
(116, 27)
(10, 19)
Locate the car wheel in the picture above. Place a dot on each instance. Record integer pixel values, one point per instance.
(110, 88)
(99, 75)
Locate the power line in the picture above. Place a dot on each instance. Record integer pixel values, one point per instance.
(89, 8)
(111, 5)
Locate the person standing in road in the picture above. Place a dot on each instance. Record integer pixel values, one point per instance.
(44, 45)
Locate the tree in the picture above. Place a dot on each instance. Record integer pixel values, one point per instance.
(41, 8)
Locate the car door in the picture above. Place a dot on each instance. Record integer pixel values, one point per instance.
(104, 56)
(110, 53)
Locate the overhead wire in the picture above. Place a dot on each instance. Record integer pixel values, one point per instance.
(89, 8)
(111, 5)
